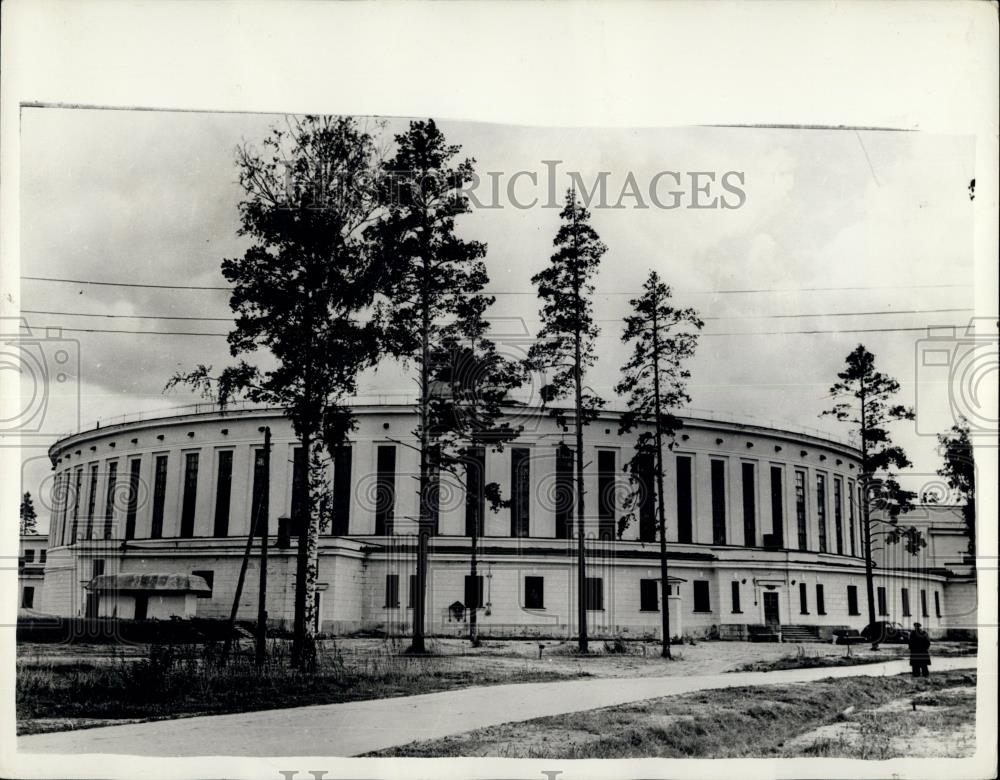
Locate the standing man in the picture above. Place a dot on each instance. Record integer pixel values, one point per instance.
(920, 651)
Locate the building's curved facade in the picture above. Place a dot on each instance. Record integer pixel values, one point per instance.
(763, 527)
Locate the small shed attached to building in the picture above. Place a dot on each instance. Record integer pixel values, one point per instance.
(147, 596)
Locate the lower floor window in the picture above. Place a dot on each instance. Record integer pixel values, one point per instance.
(852, 600)
(391, 590)
(883, 606)
(702, 602)
(649, 596)
(534, 593)
(28, 597)
(595, 593)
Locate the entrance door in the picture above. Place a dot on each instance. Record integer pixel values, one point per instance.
(93, 599)
(771, 615)
(141, 607)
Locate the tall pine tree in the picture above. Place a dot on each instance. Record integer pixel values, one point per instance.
(430, 274)
(29, 518)
(663, 339)
(959, 469)
(565, 350)
(865, 401)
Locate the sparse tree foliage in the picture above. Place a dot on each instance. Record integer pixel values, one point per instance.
(29, 518)
(565, 349)
(470, 383)
(865, 401)
(959, 469)
(301, 293)
(663, 339)
(430, 274)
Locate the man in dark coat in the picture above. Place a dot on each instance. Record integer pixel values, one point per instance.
(920, 651)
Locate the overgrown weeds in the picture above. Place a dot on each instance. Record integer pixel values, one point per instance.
(193, 679)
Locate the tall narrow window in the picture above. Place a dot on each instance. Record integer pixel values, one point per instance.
(838, 513)
(852, 600)
(736, 597)
(64, 507)
(801, 515)
(647, 498)
(749, 506)
(649, 600)
(223, 491)
(684, 504)
(411, 598)
(821, 510)
(718, 502)
(850, 515)
(937, 597)
(606, 494)
(92, 501)
(520, 491)
(257, 519)
(923, 604)
(433, 501)
(78, 486)
(475, 487)
(777, 507)
(820, 600)
(109, 499)
(300, 488)
(190, 499)
(861, 520)
(803, 598)
(564, 492)
(904, 595)
(385, 491)
(473, 591)
(159, 496)
(341, 520)
(391, 590)
(883, 605)
(133, 498)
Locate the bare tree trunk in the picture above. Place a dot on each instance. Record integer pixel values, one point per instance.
(866, 512)
(418, 644)
(265, 500)
(664, 579)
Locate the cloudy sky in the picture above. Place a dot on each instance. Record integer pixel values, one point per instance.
(835, 222)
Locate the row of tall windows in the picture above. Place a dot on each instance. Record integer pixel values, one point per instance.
(337, 515)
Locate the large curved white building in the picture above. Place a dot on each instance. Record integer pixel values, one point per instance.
(763, 528)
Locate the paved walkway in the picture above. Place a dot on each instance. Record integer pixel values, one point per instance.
(354, 728)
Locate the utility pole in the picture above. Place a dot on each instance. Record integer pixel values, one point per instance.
(262, 591)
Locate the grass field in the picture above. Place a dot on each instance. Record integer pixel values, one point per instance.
(892, 716)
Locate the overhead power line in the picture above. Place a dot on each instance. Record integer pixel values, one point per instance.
(728, 317)
(743, 333)
(532, 292)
